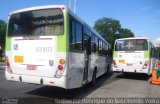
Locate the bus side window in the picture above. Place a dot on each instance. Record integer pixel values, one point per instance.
(72, 35)
(145, 45)
(78, 42)
(96, 43)
(75, 35)
(93, 43)
(99, 46)
(151, 51)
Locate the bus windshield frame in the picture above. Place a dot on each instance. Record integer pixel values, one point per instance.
(131, 45)
(42, 22)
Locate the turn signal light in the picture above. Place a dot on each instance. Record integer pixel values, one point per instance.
(62, 61)
(6, 59)
(60, 68)
(114, 62)
(7, 62)
(145, 65)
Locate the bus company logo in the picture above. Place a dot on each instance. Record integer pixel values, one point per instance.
(120, 56)
(15, 46)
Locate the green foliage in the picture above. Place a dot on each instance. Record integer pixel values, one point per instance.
(125, 33)
(107, 27)
(158, 48)
(111, 30)
(2, 33)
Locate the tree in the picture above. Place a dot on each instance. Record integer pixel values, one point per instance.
(126, 33)
(107, 27)
(2, 33)
(111, 29)
(158, 48)
(157, 44)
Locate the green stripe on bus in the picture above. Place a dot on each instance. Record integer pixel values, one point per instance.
(114, 54)
(61, 44)
(146, 54)
(62, 40)
(8, 42)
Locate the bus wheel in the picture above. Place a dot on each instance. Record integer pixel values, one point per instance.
(94, 77)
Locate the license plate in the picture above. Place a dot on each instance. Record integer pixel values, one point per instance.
(129, 64)
(19, 59)
(121, 61)
(31, 67)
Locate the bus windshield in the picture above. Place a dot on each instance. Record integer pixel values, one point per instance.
(131, 45)
(37, 22)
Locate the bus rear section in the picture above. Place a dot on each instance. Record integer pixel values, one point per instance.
(131, 55)
(32, 47)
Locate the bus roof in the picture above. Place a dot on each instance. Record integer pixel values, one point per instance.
(133, 38)
(37, 8)
(66, 8)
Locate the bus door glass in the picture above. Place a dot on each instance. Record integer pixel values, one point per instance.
(87, 52)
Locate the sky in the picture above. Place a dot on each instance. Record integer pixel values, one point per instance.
(142, 17)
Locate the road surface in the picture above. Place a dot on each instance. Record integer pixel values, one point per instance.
(114, 85)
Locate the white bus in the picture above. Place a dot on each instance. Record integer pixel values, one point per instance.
(50, 45)
(136, 55)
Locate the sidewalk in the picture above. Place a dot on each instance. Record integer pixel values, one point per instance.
(2, 65)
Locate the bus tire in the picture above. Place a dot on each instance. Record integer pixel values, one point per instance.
(94, 77)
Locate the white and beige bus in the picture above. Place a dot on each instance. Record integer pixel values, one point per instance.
(50, 45)
(136, 55)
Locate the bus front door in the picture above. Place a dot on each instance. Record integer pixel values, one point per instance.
(87, 52)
